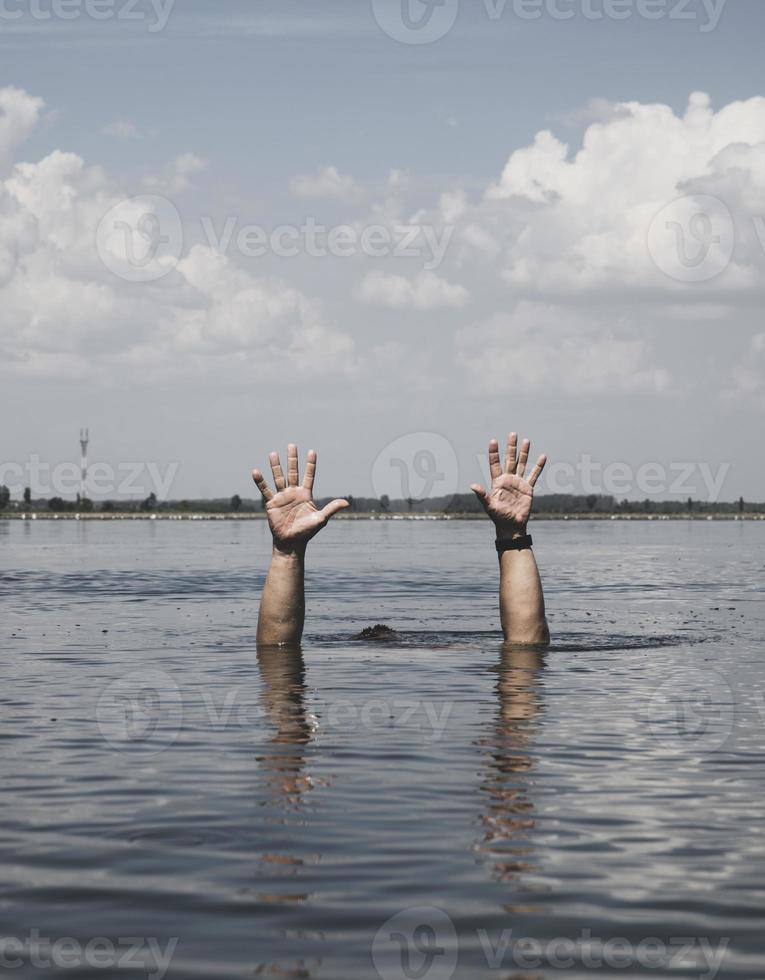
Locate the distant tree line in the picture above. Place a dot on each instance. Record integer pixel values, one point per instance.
(552, 503)
(456, 505)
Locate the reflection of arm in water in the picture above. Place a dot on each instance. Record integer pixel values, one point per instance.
(294, 519)
(509, 815)
(508, 503)
(282, 759)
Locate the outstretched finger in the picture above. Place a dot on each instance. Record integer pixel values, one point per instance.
(480, 492)
(260, 482)
(523, 457)
(276, 469)
(310, 470)
(511, 452)
(332, 508)
(494, 467)
(537, 471)
(292, 465)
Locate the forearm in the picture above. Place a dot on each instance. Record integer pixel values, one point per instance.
(508, 504)
(282, 605)
(521, 599)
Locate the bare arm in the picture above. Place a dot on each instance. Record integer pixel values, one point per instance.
(294, 519)
(282, 605)
(508, 503)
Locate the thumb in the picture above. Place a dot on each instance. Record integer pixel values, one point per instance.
(332, 508)
(482, 495)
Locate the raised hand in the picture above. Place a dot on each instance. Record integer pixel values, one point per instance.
(292, 515)
(508, 502)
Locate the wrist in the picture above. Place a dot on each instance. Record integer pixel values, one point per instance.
(289, 550)
(510, 532)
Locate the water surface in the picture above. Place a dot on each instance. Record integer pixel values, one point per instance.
(430, 806)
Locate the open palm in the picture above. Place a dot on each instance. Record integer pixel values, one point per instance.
(508, 503)
(292, 515)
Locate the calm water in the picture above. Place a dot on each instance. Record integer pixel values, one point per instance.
(425, 808)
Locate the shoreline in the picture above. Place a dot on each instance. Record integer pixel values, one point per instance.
(259, 516)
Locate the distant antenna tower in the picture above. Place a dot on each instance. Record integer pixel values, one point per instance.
(84, 440)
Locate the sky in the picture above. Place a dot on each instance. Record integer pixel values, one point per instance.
(387, 230)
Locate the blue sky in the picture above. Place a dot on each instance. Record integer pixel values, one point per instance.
(323, 82)
(259, 95)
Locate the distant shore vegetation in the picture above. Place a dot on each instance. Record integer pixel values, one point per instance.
(466, 506)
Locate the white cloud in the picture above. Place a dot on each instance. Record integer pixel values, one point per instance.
(453, 204)
(66, 315)
(552, 260)
(425, 292)
(572, 232)
(240, 314)
(327, 183)
(19, 114)
(748, 376)
(595, 110)
(581, 222)
(542, 347)
(176, 177)
(124, 129)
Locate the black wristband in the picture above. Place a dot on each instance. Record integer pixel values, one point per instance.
(514, 544)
